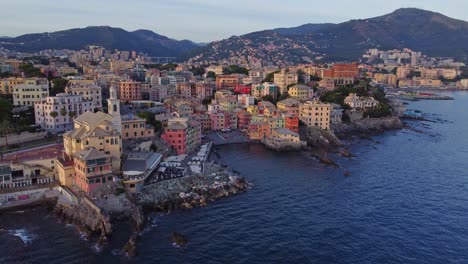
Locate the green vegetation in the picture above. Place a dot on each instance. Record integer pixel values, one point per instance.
(283, 96)
(29, 70)
(5, 108)
(197, 71)
(6, 128)
(206, 101)
(153, 147)
(58, 86)
(361, 89)
(162, 67)
(315, 78)
(150, 120)
(270, 77)
(211, 74)
(37, 60)
(235, 69)
(270, 99)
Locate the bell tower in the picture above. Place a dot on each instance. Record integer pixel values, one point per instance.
(113, 105)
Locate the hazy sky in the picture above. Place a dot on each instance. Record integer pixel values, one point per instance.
(199, 20)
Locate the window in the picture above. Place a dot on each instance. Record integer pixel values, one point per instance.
(98, 180)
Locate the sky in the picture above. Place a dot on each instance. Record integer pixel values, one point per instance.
(199, 20)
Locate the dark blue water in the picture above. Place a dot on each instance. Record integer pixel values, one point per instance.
(406, 201)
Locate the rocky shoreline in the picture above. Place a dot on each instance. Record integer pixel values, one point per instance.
(185, 193)
(90, 221)
(192, 191)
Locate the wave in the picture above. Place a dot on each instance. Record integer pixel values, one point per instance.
(23, 234)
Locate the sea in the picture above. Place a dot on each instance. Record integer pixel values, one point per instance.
(404, 201)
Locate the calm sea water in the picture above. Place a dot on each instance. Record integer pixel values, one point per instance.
(406, 201)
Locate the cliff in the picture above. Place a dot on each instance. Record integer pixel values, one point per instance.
(86, 217)
(368, 125)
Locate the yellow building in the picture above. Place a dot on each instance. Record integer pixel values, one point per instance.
(6, 85)
(97, 130)
(228, 104)
(301, 92)
(283, 79)
(315, 114)
(30, 91)
(252, 109)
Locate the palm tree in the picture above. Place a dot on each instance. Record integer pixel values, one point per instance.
(6, 128)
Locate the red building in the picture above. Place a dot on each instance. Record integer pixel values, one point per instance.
(292, 123)
(182, 135)
(342, 73)
(243, 89)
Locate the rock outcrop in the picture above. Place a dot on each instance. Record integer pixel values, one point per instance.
(321, 138)
(86, 218)
(192, 191)
(368, 125)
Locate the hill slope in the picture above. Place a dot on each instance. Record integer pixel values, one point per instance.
(108, 37)
(432, 33)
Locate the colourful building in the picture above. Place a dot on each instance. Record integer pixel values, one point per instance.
(289, 106)
(259, 130)
(92, 169)
(182, 135)
(301, 92)
(316, 114)
(243, 119)
(129, 91)
(291, 122)
(134, 127)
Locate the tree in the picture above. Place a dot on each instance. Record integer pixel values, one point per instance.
(151, 120)
(300, 76)
(206, 101)
(270, 99)
(283, 96)
(153, 147)
(53, 114)
(6, 128)
(58, 86)
(63, 111)
(211, 74)
(5, 108)
(29, 70)
(197, 71)
(270, 77)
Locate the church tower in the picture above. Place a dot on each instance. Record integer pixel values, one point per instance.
(113, 105)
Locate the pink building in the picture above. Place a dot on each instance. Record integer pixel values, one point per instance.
(92, 169)
(243, 119)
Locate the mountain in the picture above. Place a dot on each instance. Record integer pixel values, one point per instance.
(432, 33)
(111, 38)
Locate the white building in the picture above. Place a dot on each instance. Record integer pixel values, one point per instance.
(56, 113)
(90, 92)
(245, 100)
(358, 102)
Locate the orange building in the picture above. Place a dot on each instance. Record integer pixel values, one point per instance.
(129, 91)
(259, 130)
(291, 123)
(342, 73)
(228, 82)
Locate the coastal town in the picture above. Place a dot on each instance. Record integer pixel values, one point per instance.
(111, 131)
